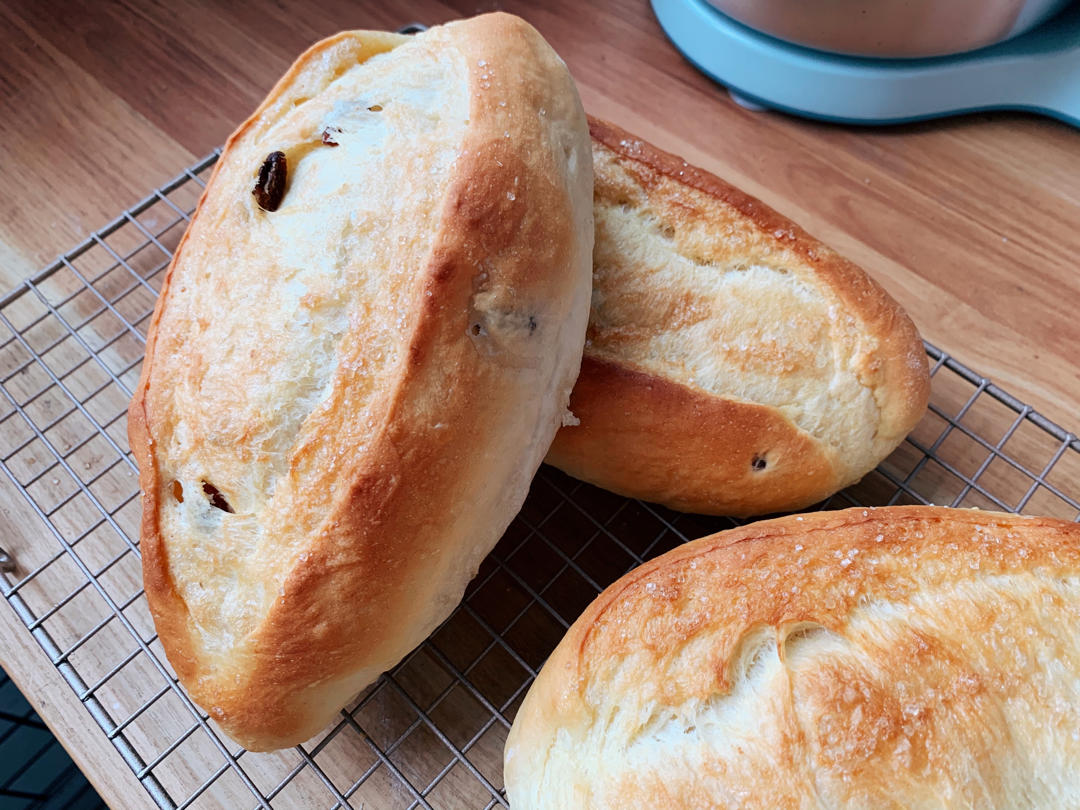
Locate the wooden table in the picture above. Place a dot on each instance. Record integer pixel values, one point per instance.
(973, 224)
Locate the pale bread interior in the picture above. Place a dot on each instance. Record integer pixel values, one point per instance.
(914, 657)
(345, 244)
(688, 289)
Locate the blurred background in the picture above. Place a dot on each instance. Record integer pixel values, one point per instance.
(972, 222)
(35, 771)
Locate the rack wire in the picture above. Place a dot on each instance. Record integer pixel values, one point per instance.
(430, 732)
(35, 771)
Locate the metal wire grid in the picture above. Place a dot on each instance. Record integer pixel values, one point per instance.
(430, 732)
(35, 772)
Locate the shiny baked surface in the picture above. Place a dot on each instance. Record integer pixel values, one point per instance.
(734, 364)
(892, 657)
(345, 397)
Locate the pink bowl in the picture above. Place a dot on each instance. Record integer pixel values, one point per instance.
(892, 28)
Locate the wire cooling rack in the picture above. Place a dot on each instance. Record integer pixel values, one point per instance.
(429, 733)
(35, 771)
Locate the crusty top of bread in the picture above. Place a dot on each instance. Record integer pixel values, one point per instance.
(901, 657)
(344, 399)
(734, 364)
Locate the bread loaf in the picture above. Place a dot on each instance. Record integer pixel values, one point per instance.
(360, 355)
(904, 657)
(734, 364)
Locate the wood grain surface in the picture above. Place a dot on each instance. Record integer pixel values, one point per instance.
(57, 704)
(973, 224)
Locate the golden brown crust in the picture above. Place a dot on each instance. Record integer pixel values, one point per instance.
(700, 448)
(866, 657)
(399, 510)
(616, 449)
(903, 359)
(170, 613)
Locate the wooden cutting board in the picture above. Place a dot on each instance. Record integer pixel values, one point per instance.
(973, 224)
